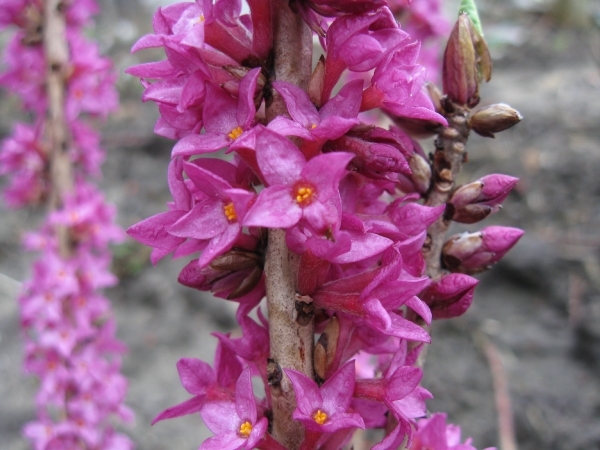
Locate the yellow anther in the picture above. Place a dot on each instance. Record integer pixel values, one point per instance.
(320, 417)
(304, 195)
(235, 133)
(245, 429)
(230, 212)
(313, 126)
(201, 18)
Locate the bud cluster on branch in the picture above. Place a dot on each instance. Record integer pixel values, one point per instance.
(68, 326)
(340, 222)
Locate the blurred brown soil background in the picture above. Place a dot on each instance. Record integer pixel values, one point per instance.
(537, 312)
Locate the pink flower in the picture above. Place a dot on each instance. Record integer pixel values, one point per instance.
(325, 409)
(236, 425)
(297, 190)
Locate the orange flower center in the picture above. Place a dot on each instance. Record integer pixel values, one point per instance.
(304, 194)
(245, 429)
(230, 212)
(201, 18)
(235, 133)
(313, 126)
(320, 417)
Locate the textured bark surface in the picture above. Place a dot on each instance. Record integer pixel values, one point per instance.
(57, 65)
(291, 342)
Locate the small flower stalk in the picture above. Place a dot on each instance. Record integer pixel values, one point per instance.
(68, 325)
(340, 222)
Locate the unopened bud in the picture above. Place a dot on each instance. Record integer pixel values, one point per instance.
(449, 296)
(468, 214)
(316, 82)
(235, 260)
(466, 194)
(475, 252)
(475, 201)
(421, 172)
(436, 97)
(326, 347)
(459, 248)
(247, 284)
(373, 157)
(494, 119)
(466, 63)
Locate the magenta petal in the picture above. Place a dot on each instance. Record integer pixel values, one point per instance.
(341, 420)
(196, 376)
(405, 329)
(298, 103)
(206, 181)
(327, 181)
(420, 307)
(220, 416)
(245, 403)
(376, 315)
(190, 406)
(258, 431)
(193, 92)
(220, 244)
(346, 103)
(165, 91)
(229, 440)
(158, 69)
(402, 382)
(286, 127)
(333, 127)
(337, 390)
(274, 208)
(196, 144)
(147, 41)
(205, 221)
(413, 405)
(220, 111)
(246, 109)
(181, 195)
(363, 246)
(152, 231)
(279, 160)
(308, 396)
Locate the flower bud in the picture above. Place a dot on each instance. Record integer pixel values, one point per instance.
(326, 348)
(494, 119)
(450, 296)
(236, 260)
(421, 172)
(475, 252)
(468, 214)
(466, 63)
(316, 82)
(372, 157)
(475, 201)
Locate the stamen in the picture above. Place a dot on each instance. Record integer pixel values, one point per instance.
(320, 417)
(245, 429)
(235, 133)
(230, 212)
(304, 195)
(201, 18)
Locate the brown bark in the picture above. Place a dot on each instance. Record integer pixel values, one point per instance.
(57, 65)
(291, 341)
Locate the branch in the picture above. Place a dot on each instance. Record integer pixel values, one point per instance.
(57, 64)
(291, 340)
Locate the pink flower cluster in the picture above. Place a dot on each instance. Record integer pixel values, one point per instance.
(69, 328)
(347, 196)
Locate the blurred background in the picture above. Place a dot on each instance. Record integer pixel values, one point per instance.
(535, 324)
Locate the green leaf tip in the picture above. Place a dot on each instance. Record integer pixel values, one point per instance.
(469, 8)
